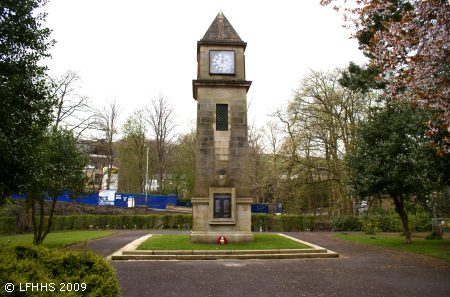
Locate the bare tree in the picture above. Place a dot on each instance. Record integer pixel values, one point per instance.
(73, 109)
(161, 118)
(106, 121)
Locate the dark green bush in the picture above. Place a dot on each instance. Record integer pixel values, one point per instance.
(7, 224)
(288, 223)
(420, 222)
(381, 222)
(23, 263)
(435, 234)
(345, 223)
(309, 223)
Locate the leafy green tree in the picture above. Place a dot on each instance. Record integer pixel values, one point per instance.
(393, 159)
(26, 109)
(59, 166)
(361, 78)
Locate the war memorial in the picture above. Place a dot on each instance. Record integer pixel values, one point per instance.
(221, 202)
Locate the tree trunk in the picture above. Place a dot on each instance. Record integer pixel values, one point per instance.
(399, 207)
(355, 200)
(28, 215)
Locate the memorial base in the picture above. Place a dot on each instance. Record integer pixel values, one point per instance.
(212, 236)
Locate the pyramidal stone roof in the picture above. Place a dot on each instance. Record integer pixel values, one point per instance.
(221, 31)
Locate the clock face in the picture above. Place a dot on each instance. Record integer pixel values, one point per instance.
(221, 62)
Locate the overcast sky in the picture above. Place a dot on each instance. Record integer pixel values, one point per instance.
(134, 49)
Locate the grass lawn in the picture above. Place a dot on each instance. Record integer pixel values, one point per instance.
(181, 242)
(57, 240)
(439, 248)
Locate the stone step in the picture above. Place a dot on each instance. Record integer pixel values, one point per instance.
(223, 252)
(218, 256)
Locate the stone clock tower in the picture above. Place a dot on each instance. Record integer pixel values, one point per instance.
(221, 202)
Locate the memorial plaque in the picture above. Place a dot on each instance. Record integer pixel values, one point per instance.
(222, 206)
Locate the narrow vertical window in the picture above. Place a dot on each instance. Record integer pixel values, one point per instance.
(222, 117)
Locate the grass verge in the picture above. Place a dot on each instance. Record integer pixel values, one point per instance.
(181, 242)
(439, 248)
(57, 240)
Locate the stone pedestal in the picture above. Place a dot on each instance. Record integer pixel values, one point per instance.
(208, 226)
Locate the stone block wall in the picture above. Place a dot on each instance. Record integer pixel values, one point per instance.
(203, 62)
(222, 149)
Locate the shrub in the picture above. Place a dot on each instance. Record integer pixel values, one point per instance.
(23, 263)
(345, 223)
(419, 222)
(296, 222)
(435, 234)
(309, 223)
(7, 224)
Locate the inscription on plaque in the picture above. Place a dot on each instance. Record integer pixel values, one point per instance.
(222, 206)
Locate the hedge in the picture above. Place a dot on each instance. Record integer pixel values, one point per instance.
(381, 222)
(65, 272)
(282, 223)
(123, 222)
(260, 222)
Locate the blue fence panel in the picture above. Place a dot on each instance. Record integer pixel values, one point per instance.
(172, 199)
(17, 196)
(260, 208)
(121, 199)
(92, 199)
(158, 202)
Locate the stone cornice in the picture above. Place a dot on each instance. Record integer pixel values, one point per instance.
(220, 43)
(219, 83)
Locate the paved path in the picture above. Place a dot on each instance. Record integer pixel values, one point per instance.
(361, 270)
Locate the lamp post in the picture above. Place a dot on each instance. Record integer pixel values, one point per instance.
(146, 179)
